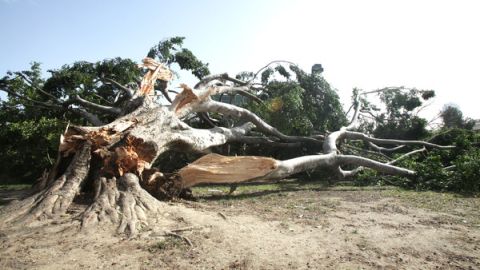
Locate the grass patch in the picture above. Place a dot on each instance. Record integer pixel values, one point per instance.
(168, 243)
(431, 200)
(14, 186)
(450, 203)
(260, 191)
(293, 197)
(259, 188)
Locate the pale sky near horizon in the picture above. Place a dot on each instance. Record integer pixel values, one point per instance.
(365, 44)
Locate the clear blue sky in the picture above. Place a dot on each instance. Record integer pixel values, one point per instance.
(365, 44)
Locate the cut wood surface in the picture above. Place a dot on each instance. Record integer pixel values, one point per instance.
(215, 168)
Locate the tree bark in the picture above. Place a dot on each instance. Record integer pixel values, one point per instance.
(116, 158)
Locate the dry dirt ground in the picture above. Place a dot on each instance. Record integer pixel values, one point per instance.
(289, 225)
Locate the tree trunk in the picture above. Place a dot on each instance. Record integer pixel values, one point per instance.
(112, 163)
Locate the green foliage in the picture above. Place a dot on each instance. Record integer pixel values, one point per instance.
(170, 51)
(467, 172)
(463, 176)
(285, 110)
(303, 106)
(452, 117)
(399, 120)
(369, 178)
(29, 147)
(81, 78)
(430, 174)
(296, 103)
(407, 127)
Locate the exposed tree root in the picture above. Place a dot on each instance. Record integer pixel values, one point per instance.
(57, 197)
(121, 202)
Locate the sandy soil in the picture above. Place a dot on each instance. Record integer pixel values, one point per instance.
(270, 229)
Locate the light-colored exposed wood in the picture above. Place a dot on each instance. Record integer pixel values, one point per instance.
(156, 71)
(186, 97)
(214, 168)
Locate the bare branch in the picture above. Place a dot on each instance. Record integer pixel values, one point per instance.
(450, 168)
(404, 156)
(126, 90)
(165, 94)
(234, 111)
(250, 96)
(350, 108)
(372, 116)
(346, 174)
(384, 149)
(361, 168)
(267, 65)
(37, 88)
(105, 100)
(367, 151)
(362, 136)
(95, 106)
(242, 90)
(41, 103)
(92, 118)
(206, 117)
(223, 77)
(354, 119)
(203, 82)
(264, 140)
(300, 164)
(385, 89)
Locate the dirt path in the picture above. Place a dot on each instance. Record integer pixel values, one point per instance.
(271, 229)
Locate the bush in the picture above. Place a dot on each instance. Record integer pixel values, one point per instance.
(463, 176)
(467, 172)
(28, 148)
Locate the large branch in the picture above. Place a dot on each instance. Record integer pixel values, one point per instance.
(214, 168)
(404, 156)
(300, 164)
(202, 139)
(361, 168)
(238, 112)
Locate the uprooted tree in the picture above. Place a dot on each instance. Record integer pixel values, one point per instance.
(113, 161)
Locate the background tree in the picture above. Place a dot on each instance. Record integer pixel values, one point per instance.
(452, 117)
(397, 116)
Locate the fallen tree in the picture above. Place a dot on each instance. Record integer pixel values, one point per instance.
(114, 161)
